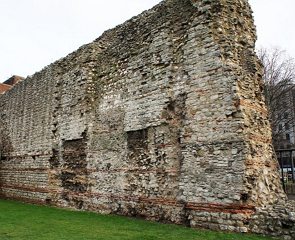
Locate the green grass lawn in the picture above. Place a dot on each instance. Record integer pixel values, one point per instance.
(25, 221)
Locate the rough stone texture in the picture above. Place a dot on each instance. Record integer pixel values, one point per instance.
(161, 117)
(275, 220)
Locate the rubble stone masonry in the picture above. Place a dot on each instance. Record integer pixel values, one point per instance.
(161, 117)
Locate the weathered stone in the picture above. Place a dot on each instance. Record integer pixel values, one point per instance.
(292, 216)
(243, 229)
(161, 117)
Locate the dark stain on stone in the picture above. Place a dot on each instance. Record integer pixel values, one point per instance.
(54, 161)
(74, 172)
(244, 197)
(137, 140)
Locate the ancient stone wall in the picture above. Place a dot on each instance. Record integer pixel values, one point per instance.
(26, 142)
(161, 117)
(37, 117)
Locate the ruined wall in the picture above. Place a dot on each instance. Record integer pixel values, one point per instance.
(161, 117)
(25, 126)
(38, 117)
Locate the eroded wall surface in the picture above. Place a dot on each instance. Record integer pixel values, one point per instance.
(161, 117)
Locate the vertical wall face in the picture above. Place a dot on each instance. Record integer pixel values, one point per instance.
(160, 128)
(235, 34)
(26, 141)
(67, 164)
(42, 126)
(185, 110)
(161, 117)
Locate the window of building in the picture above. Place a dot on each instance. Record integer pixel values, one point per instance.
(279, 116)
(280, 127)
(288, 136)
(287, 126)
(286, 115)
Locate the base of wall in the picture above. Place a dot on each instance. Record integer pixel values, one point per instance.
(277, 220)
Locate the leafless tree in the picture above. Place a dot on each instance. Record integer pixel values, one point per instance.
(279, 90)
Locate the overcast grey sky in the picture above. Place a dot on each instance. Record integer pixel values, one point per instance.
(35, 33)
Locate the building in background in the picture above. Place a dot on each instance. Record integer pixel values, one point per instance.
(284, 125)
(9, 83)
(284, 138)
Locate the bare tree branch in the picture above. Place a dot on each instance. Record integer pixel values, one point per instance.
(279, 90)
